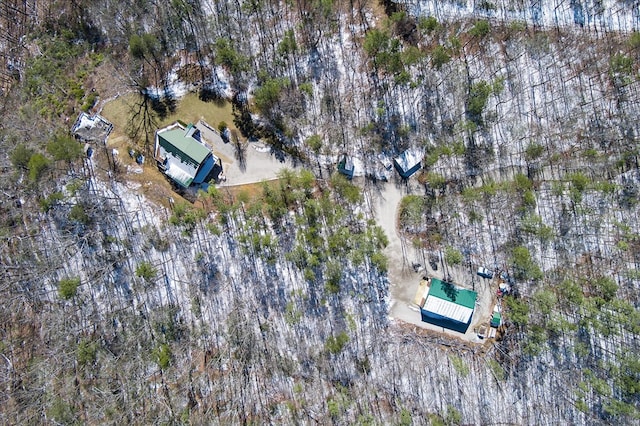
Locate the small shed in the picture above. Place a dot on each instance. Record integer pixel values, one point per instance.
(345, 166)
(183, 157)
(496, 315)
(446, 305)
(91, 129)
(350, 166)
(496, 319)
(409, 162)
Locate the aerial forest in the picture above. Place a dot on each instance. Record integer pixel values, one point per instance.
(125, 302)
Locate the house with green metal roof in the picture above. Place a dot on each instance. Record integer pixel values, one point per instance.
(183, 157)
(446, 305)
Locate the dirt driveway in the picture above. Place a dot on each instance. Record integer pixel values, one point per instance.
(383, 200)
(256, 165)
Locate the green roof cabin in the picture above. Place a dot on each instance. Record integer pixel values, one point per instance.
(446, 305)
(183, 157)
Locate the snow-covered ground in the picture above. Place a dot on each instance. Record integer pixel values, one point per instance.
(265, 327)
(609, 15)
